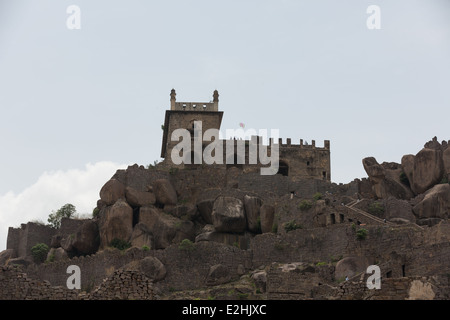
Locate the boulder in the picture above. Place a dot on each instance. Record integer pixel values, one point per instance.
(251, 206)
(141, 236)
(228, 215)
(57, 254)
(350, 266)
(136, 198)
(164, 192)
(385, 179)
(218, 274)
(398, 210)
(240, 241)
(260, 279)
(112, 191)
(408, 167)
(267, 215)
(205, 208)
(184, 211)
(446, 162)
(85, 240)
(116, 222)
(6, 255)
(435, 205)
(166, 229)
(153, 268)
(428, 170)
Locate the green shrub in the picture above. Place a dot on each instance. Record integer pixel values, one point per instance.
(317, 196)
(376, 208)
(120, 244)
(444, 180)
(361, 234)
(186, 245)
(305, 205)
(322, 263)
(39, 252)
(145, 248)
(291, 225)
(51, 258)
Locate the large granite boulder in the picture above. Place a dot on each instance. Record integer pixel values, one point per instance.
(166, 229)
(112, 191)
(428, 170)
(141, 236)
(398, 211)
(6, 255)
(428, 167)
(164, 192)
(85, 240)
(218, 274)
(385, 179)
(228, 215)
(153, 268)
(446, 161)
(136, 198)
(434, 206)
(116, 221)
(205, 208)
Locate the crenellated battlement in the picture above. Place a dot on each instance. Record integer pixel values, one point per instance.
(288, 143)
(298, 158)
(194, 106)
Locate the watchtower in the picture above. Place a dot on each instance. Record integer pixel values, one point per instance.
(183, 115)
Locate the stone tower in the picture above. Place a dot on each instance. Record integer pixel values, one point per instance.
(182, 115)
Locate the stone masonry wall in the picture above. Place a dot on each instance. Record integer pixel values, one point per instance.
(122, 285)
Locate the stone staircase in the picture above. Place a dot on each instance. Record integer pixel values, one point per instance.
(351, 206)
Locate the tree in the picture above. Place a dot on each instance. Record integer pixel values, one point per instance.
(39, 252)
(66, 211)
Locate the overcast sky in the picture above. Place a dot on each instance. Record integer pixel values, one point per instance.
(78, 104)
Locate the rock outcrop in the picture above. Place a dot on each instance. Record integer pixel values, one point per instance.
(116, 222)
(164, 192)
(385, 179)
(435, 205)
(228, 215)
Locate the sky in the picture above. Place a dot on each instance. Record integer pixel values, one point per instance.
(78, 104)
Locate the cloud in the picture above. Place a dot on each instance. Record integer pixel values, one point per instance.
(51, 191)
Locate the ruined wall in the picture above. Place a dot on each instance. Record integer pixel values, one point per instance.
(306, 283)
(22, 239)
(122, 284)
(94, 268)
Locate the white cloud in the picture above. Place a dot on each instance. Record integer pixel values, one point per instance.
(51, 191)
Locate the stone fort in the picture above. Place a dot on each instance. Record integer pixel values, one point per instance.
(298, 161)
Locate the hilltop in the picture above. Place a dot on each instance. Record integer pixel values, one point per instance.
(226, 233)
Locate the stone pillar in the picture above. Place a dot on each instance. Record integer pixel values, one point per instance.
(216, 100)
(172, 99)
